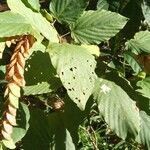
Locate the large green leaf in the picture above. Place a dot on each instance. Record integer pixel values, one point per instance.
(144, 136)
(67, 10)
(75, 66)
(12, 24)
(94, 27)
(35, 19)
(144, 87)
(140, 43)
(130, 58)
(40, 75)
(119, 111)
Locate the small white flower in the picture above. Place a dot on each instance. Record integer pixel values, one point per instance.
(105, 89)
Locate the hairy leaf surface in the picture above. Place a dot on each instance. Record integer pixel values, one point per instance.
(119, 111)
(94, 27)
(68, 10)
(144, 136)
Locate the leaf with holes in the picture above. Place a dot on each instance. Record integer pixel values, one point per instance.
(118, 109)
(75, 67)
(68, 10)
(36, 20)
(94, 27)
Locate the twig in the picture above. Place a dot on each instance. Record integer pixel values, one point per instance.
(93, 142)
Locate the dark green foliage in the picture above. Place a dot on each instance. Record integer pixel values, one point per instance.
(87, 78)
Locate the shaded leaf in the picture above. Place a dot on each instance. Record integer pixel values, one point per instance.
(40, 75)
(23, 123)
(94, 27)
(131, 59)
(33, 4)
(47, 133)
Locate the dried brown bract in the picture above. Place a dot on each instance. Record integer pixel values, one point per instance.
(15, 78)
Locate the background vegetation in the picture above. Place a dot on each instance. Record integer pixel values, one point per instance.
(87, 77)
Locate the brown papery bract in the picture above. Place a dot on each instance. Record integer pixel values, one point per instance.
(15, 78)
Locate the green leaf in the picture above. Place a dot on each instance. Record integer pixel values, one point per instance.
(33, 4)
(75, 66)
(144, 87)
(144, 136)
(146, 10)
(67, 10)
(102, 4)
(93, 49)
(119, 111)
(140, 43)
(94, 27)
(40, 75)
(38, 133)
(45, 132)
(12, 24)
(41, 88)
(37, 21)
(130, 58)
